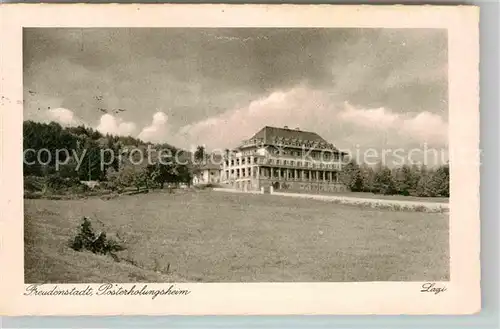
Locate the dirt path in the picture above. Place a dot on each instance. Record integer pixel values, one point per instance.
(370, 202)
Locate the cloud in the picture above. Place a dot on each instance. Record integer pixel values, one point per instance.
(403, 70)
(396, 80)
(158, 130)
(109, 124)
(298, 106)
(424, 127)
(427, 127)
(369, 118)
(62, 116)
(343, 124)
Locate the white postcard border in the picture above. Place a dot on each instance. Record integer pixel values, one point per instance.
(463, 290)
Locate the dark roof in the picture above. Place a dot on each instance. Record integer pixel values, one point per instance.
(269, 133)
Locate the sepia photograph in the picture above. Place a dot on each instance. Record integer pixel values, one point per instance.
(235, 155)
(157, 157)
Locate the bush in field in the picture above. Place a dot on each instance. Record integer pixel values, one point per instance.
(79, 188)
(206, 186)
(34, 184)
(142, 178)
(112, 179)
(57, 183)
(118, 180)
(53, 183)
(87, 239)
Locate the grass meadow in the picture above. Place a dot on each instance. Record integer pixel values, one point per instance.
(208, 236)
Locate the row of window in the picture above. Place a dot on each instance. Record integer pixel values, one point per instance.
(324, 156)
(309, 187)
(242, 161)
(293, 163)
(303, 164)
(241, 173)
(314, 155)
(320, 176)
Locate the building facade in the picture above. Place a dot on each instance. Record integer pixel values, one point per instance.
(284, 159)
(207, 174)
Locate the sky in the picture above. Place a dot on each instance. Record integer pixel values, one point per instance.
(216, 87)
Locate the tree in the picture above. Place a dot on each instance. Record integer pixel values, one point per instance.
(435, 183)
(51, 137)
(199, 154)
(368, 175)
(162, 173)
(351, 177)
(415, 175)
(68, 170)
(383, 181)
(441, 179)
(115, 145)
(90, 168)
(141, 178)
(402, 180)
(113, 179)
(424, 185)
(88, 144)
(184, 175)
(126, 176)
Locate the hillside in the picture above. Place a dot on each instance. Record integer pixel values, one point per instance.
(81, 143)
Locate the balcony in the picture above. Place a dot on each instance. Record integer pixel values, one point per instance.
(273, 162)
(300, 180)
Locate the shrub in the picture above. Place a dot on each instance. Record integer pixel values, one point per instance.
(111, 186)
(57, 183)
(420, 208)
(78, 189)
(207, 186)
(33, 184)
(87, 239)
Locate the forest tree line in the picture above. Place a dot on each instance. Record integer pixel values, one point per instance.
(96, 164)
(416, 180)
(87, 144)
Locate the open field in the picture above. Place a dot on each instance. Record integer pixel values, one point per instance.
(209, 236)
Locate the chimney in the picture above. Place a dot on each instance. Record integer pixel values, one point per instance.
(286, 127)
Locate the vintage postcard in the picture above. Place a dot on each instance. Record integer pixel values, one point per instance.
(239, 159)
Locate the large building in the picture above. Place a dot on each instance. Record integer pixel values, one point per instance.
(284, 159)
